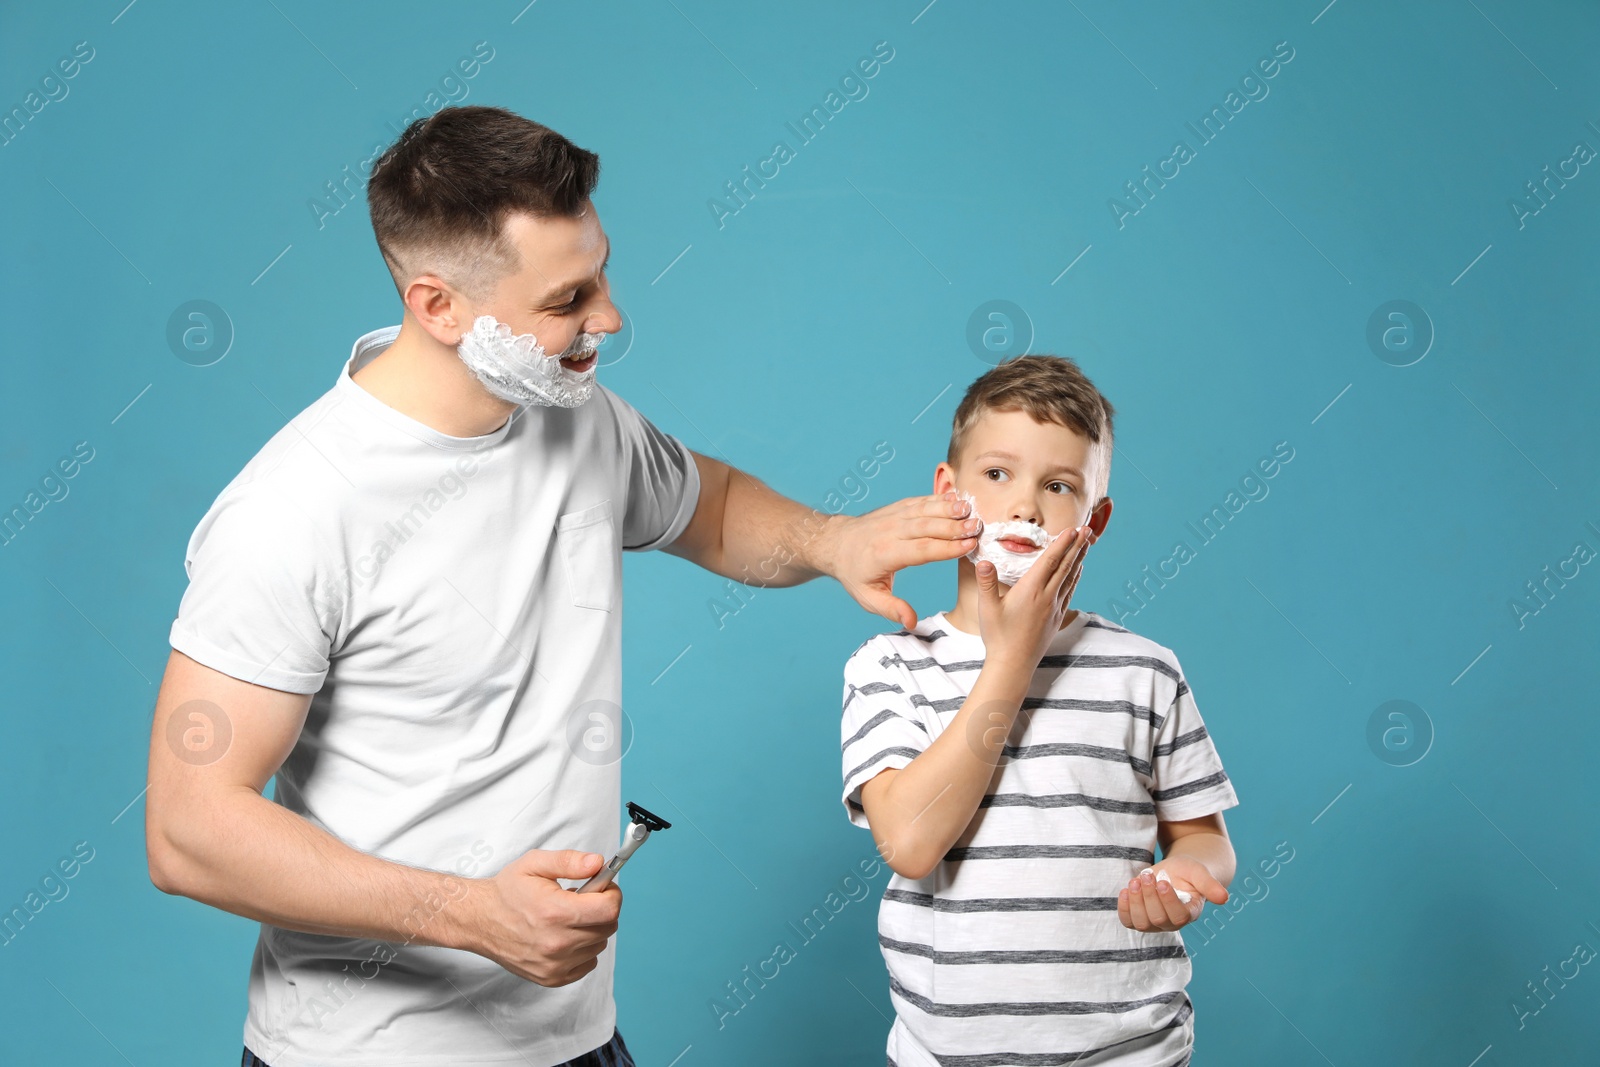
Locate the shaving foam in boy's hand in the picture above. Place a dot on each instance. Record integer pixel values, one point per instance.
(1169, 896)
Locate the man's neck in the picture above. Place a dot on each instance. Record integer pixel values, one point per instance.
(427, 381)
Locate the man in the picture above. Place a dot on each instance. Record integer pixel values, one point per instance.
(407, 607)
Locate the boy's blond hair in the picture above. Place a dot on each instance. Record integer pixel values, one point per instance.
(1050, 389)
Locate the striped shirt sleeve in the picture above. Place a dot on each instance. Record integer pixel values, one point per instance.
(1188, 774)
(880, 728)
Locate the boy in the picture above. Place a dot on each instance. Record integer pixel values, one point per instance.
(1018, 762)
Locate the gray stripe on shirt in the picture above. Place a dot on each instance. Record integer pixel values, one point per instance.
(1066, 800)
(1043, 955)
(1072, 659)
(1069, 748)
(878, 720)
(898, 750)
(1193, 737)
(1027, 852)
(1063, 1059)
(1028, 1007)
(979, 904)
(1191, 787)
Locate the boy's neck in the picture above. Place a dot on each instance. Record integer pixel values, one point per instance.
(964, 616)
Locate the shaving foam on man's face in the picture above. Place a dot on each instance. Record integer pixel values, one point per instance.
(515, 367)
(562, 276)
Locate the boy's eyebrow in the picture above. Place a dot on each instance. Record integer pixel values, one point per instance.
(999, 454)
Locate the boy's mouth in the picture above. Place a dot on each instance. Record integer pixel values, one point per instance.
(1018, 545)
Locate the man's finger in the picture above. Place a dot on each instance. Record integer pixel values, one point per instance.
(887, 605)
(935, 526)
(915, 551)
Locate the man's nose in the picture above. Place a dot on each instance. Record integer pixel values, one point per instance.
(603, 318)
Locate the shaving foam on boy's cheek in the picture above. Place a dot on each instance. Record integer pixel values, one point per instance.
(1009, 566)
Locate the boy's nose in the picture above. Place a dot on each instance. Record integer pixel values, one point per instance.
(1026, 513)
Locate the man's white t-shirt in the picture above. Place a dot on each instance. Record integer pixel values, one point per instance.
(455, 606)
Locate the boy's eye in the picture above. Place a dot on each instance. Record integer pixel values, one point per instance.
(1064, 487)
(994, 474)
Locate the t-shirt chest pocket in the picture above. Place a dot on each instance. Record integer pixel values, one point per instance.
(588, 546)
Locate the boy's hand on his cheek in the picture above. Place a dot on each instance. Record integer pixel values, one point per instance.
(1148, 903)
(870, 548)
(1021, 622)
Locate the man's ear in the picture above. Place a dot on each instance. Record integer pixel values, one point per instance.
(438, 309)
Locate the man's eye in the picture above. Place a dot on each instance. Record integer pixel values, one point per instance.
(564, 308)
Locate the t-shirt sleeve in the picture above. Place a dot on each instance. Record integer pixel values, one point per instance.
(260, 605)
(880, 728)
(1188, 774)
(663, 483)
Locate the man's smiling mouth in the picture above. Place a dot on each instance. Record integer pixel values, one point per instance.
(580, 365)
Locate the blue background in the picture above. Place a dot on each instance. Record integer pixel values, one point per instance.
(832, 312)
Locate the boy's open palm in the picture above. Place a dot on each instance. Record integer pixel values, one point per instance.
(1021, 623)
(1154, 904)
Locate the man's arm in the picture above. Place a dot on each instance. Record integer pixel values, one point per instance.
(212, 836)
(743, 530)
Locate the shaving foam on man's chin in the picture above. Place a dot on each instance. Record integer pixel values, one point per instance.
(1009, 566)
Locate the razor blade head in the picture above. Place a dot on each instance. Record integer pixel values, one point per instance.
(646, 819)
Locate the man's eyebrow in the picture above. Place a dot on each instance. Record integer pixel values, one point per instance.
(557, 290)
(1000, 454)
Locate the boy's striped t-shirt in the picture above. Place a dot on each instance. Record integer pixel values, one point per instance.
(1010, 952)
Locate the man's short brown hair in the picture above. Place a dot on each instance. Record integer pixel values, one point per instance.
(439, 196)
(1049, 388)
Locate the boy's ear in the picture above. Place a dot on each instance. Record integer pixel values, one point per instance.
(944, 479)
(1100, 516)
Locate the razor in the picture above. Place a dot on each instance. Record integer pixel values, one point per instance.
(641, 825)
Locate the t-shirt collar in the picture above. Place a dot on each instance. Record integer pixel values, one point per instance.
(367, 348)
(1063, 639)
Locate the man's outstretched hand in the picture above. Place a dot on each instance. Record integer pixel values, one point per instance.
(868, 549)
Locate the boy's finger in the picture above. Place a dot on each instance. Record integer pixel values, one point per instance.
(1067, 558)
(1212, 889)
(1053, 558)
(1177, 911)
(1155, 910)
(1136, 908)
(1071, 579)
(988, 579)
